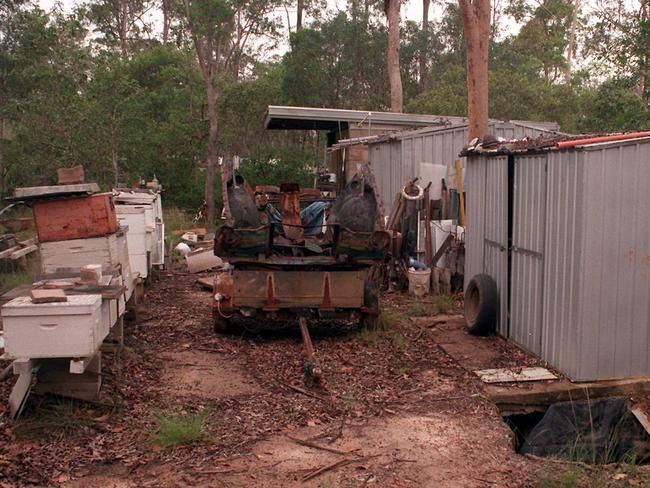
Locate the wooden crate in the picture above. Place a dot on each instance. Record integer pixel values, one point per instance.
(75, 218)
(53, 330)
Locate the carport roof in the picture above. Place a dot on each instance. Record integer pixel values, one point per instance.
(308, 118)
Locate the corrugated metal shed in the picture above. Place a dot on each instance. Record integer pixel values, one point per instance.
(396, 160)
(579, 249)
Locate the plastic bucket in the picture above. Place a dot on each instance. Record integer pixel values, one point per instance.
(419, 282)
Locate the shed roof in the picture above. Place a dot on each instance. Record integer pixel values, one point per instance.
(307, 118)
(552, 143)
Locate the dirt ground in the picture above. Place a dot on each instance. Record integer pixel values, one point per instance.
(401, 407)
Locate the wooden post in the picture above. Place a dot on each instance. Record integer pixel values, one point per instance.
(461, 197)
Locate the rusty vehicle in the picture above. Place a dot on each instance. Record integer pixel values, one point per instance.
(298, 254)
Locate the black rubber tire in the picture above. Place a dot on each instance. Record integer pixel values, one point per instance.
(481, 305)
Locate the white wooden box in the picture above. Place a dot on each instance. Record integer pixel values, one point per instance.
(110, 251)
(152, 202)
(139, 236)
(53, 330)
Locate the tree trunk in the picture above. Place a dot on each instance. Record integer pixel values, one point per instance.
(124, 10)
(392, 55)
(572, 40)
(300, 8)
(114, 160)
(475, 15)
(211, 166)
(2, 167)
(424, 52)
(165, 12)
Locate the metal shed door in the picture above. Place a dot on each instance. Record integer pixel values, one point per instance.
(527, 265)
(496, 233)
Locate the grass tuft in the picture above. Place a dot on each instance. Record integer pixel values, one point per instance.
(58, 417)
(175, 429)
(419, 310)
(444, 303)
(388, 319)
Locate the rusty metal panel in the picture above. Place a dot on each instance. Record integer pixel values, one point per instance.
(75, 218)
(527, 251)
(298, 288)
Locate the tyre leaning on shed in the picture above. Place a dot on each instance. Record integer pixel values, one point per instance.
(481, 305)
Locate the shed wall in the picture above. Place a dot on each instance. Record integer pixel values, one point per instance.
(614, 307)
(529, 219)
(434, 145)
(562, 260)
(580, 275)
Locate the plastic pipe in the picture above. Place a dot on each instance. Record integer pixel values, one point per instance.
(596, 140)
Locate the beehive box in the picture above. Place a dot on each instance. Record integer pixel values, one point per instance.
(53, 330)
(140, 238)
(110, 251)
(75, 218)
(152, 200)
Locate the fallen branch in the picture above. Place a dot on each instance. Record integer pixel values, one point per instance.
(313, 445)
(329, 467)
(307, 393)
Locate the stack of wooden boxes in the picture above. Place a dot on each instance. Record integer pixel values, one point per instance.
(77, 231)
(141, 211)
(85, 260)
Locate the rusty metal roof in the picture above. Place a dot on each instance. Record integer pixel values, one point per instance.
(550, 143)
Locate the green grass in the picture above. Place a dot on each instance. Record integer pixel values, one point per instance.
(399, 341)
(349, 400)
(420, 310)
(369, 336)
(58, 417)
(388, 319)
(444, 303)
(11, 278)
(560, 478)
(176, 219)
(175, 429)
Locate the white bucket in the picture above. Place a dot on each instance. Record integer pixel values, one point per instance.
(419, 282)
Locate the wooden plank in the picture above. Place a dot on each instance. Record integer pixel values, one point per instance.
(47, 191)
(199, 231)
(443, 249)
(461, 196)
(8, 252)
(52, 295)
(24, 365)
(206, 282)
(531, 396)
(28, 242)
(24, 251)
(19, 394)
(513, 375)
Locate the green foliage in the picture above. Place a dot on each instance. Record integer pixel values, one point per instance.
(175, 429)
(79, 89)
